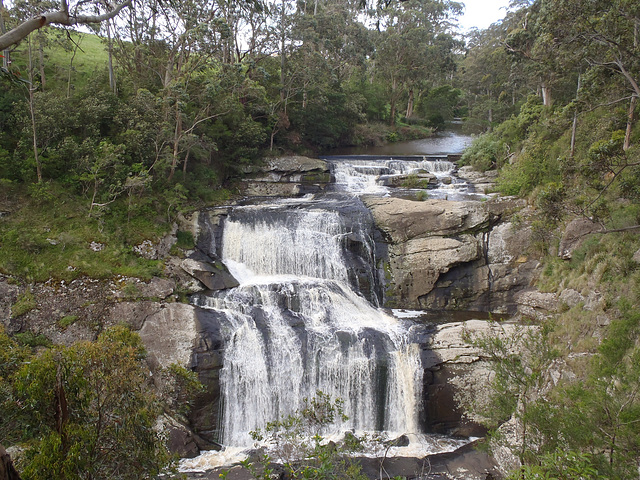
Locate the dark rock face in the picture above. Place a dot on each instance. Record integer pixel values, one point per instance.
(206, 360)
(7, 470)
(214, 275)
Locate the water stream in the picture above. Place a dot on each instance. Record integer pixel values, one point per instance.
(305, 316)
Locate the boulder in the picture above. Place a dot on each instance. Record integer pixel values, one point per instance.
(403, 219)
(425, 240)
(574, 234)
(7, 470)
(181, 440)
(214, 275)
(418, 263)
(170, 333)
(536, 305)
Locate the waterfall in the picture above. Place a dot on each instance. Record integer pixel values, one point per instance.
(298, 323)
(362, 175)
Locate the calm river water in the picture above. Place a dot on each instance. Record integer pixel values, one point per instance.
(448, 142)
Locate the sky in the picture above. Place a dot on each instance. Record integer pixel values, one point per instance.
(482, 13)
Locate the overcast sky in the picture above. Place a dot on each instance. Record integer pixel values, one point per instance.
(482, 13)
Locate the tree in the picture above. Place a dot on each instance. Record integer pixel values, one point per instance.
(85, 411)
(296, 444)
(415, 48)
(68, 14)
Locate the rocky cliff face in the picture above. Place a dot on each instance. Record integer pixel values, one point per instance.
(440, 254)
(287, 177)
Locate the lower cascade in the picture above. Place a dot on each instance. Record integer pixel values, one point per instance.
(297, 324)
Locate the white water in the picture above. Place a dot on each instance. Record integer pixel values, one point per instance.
(295, 326)
(366, 176)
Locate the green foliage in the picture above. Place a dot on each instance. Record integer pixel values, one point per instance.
(485, 153)
(296, 444)
(560, 465)
(180, 388)
(53, 238)
(84, 411)
(519, 360)
(439, 105)
(67, 321)
(33, 340)
(25, 303)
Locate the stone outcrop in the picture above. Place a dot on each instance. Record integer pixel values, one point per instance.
(7, 470)
(483, 182)
(536, 305)
(442, 254)
(214, 275)
(290, 176)
(456, 376)
(170, 333)
(574, 234)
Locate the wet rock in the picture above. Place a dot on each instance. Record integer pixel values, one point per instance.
(290, 176)
(419, 180)
(401, 441)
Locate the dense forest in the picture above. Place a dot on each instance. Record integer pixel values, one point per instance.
(108, 133)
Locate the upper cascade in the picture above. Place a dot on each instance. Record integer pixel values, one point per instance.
(367, 175)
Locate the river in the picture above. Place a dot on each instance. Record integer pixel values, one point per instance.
(448, 142)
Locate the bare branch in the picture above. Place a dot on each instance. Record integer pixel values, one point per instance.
(61, 17)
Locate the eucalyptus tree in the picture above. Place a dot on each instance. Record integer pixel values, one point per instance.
(604, 36)
(415, 45)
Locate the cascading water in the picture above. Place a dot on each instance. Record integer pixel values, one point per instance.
(369, 174)
(295, 325)
(305, 315)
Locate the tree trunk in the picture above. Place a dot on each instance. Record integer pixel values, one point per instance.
(574, 127)
(33, 116)
(5, 60)
(282, 53)
(410, 104)
(627, 136)
(73, 56)
(546, 94)
(112, 77)
(41, 41)
(176, 140)
(392, 113)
